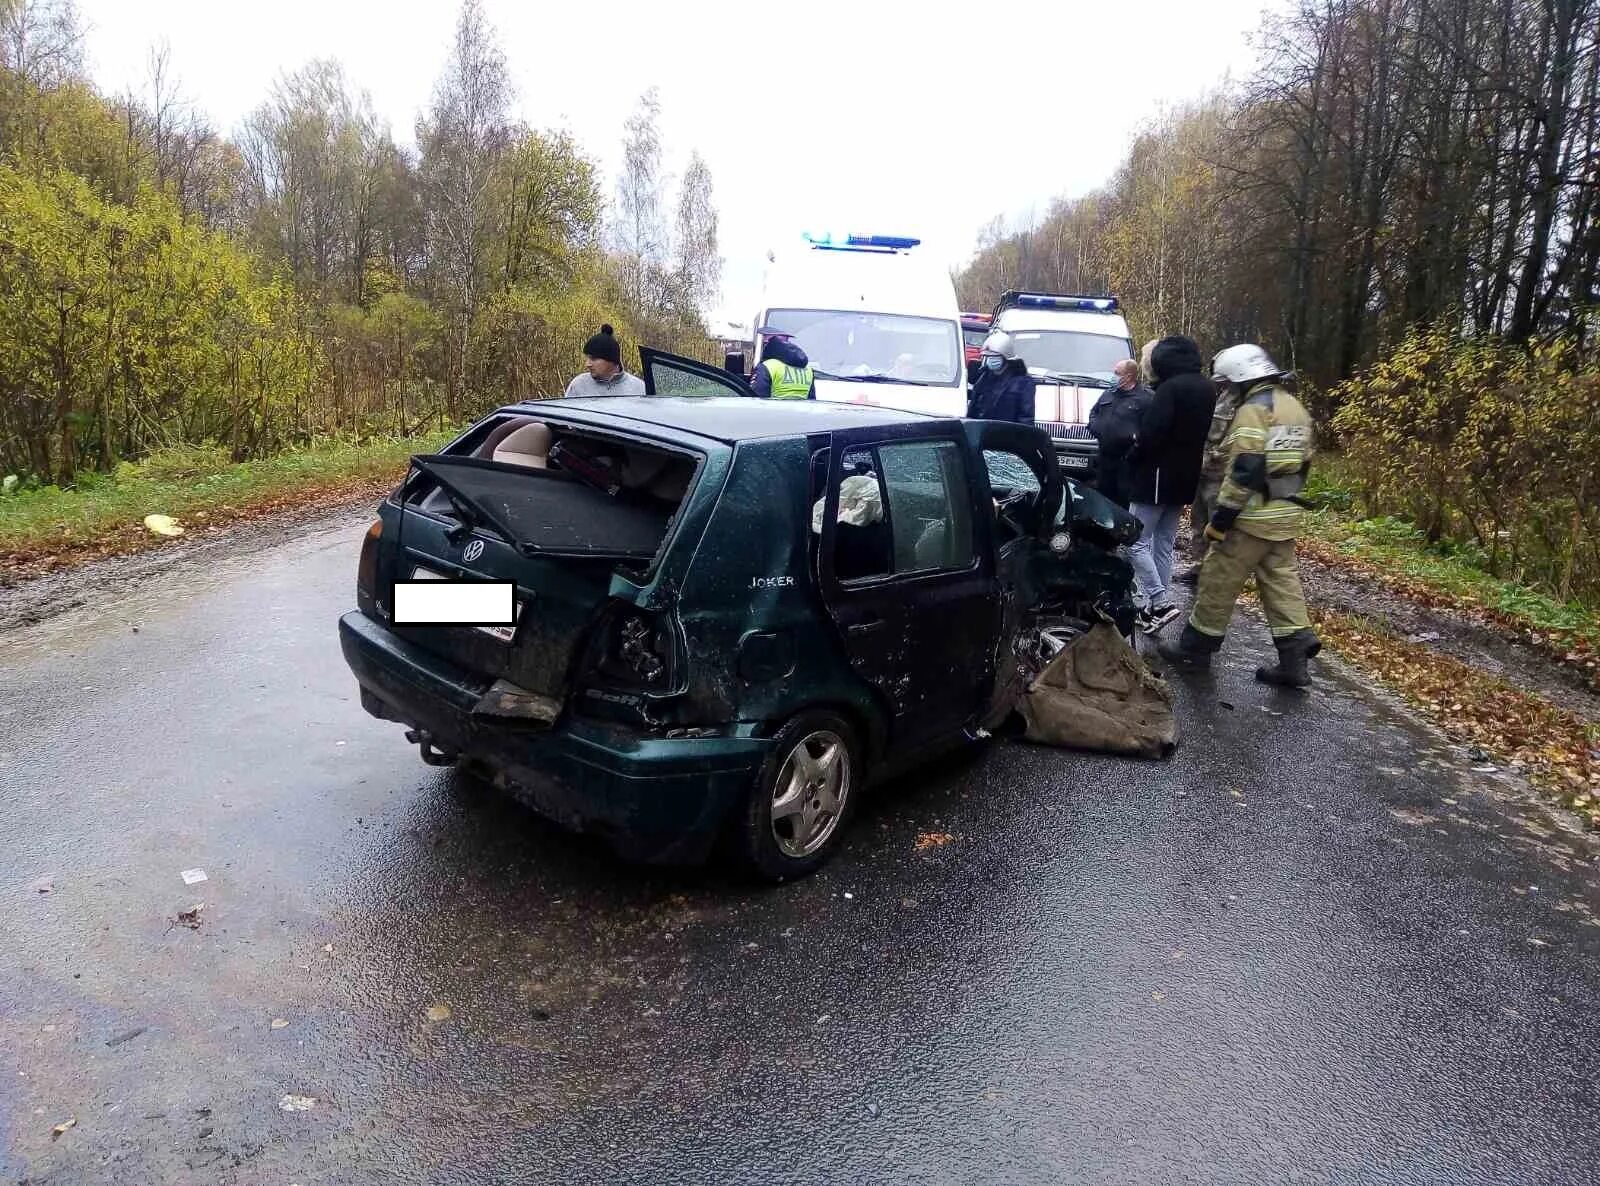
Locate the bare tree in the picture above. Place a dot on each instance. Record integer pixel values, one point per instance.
(698, 266)
(640, 229)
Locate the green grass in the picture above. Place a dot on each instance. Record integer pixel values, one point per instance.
(1398, 546)
(186, 481)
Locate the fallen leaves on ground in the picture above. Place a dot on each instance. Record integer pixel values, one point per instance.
(1566, 648)
(69, 1122)
(1555, 748)
(438, 1012)
(927, 840)
(191, 917)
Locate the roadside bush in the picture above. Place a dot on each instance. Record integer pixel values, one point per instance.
(1486, 448)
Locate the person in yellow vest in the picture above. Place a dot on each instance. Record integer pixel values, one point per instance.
(1258, 515)
(784, 371)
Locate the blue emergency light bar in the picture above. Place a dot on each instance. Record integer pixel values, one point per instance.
(1052, 300)
(828, 241)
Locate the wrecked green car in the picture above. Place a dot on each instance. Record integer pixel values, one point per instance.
(726, 616)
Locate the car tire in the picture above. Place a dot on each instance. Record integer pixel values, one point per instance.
(786, 829)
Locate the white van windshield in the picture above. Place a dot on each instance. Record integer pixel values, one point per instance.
(1073, 356)
(875, 347)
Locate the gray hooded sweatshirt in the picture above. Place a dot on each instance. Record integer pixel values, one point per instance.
(621, 383)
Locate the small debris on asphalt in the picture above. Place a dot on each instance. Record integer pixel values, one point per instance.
(1227, 704)
(1539, 942)
(1183, 794)
(1158, 996)
(192, 876)
(1484, 769)
(872, 1110)
(191, 917)
(279, 1023)
(825, 1017)
(298, 1103)
(69, 1122)
(438, 1012)
(125, 1036)
(908, 903)
(328, 947)
(927, 840)
(848, 895)
(1477, 753)
(45, 884)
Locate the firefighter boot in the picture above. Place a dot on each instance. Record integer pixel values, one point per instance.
(1293, 651)
(1193, 649)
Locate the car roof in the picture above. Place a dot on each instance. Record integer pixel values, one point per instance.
(733, 418)
(905, 283)
(1019, 318)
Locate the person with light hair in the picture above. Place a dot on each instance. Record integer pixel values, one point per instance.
(1147, 376)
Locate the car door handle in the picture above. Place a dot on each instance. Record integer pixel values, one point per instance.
(866, 627)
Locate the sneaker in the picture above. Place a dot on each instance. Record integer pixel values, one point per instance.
(1155, 617)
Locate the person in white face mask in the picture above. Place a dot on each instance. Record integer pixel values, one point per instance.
(1004, 389)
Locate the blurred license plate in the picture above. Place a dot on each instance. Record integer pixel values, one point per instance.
(1071, 462)
(503, 633)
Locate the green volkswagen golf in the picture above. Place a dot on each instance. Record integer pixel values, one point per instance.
(698, 618)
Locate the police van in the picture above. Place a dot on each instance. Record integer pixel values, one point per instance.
(1069, 342)
(878, 320)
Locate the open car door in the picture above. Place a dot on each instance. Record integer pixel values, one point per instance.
(672, 374)
(1025, 489)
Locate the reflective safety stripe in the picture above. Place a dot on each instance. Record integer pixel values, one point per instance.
(788, 382)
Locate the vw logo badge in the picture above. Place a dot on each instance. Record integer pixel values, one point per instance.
(472, 551)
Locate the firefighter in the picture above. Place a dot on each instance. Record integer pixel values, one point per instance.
(784, 371)
(1252, 528)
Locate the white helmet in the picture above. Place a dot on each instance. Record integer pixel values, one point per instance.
(1241, 364)
(1000, 343)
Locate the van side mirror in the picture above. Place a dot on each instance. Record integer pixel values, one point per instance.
(733, 362)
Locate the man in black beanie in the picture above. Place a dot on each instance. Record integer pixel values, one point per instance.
(604, 376)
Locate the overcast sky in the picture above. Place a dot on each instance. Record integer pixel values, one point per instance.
(911, 119)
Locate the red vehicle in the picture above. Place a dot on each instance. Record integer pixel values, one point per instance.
(974, 329)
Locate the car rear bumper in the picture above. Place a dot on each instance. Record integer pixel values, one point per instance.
(655, 798)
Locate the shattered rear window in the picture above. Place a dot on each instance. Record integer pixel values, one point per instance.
(551, 511)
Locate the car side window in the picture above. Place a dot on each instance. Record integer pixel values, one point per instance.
(668, 379)
(861, 540)
(930, 511)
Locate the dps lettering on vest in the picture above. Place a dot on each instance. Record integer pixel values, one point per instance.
(788, 382)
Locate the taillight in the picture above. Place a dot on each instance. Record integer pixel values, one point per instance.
(638, 650)
(367, 570)
(635, 649)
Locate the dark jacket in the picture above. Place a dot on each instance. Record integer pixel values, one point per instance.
(1165, 464)
(1006, 394)
(1114, 422)
(786, 351)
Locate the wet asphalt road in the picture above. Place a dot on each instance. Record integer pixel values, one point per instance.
(1312, 947)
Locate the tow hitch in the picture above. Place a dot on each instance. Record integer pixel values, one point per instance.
(431, 754)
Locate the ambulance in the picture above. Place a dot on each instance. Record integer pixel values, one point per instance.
(1069, 342)
(878, 319)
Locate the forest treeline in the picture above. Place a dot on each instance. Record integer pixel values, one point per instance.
(163, 284)
(1392, 163)
(1403, 205)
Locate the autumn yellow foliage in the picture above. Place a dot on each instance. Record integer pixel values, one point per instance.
(1485, 442)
